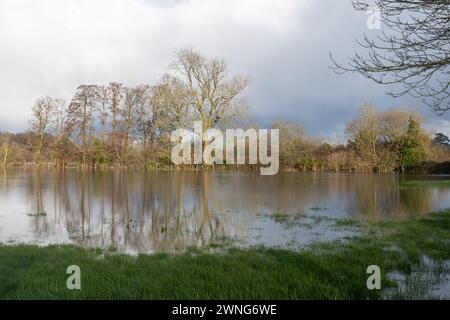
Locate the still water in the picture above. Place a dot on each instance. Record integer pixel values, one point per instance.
(165, 211)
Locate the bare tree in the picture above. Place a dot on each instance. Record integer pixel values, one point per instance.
(211, 91)
(6, 148)
(60, 146)
(129, 116)
(384, 140)
(43, 111)
(103, 96)
(393, 124)
(363, 134)
(170, 103)
(294, 142)
(116, 95)
(80, 117)
(412, 51)
(170, 110)
(143, 111)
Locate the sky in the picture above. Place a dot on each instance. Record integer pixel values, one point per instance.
(49, 47)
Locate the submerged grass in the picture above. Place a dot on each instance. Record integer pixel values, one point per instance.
(334, 270)
(300, 220)
(426, 183)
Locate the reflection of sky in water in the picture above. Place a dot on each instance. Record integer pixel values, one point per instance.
(153, 211)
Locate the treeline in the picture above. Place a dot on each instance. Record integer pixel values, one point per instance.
(115, 125)
(393, 140)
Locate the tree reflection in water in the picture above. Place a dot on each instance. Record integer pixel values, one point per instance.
(163, 211)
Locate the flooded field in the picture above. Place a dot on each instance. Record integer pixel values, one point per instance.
(146, 212)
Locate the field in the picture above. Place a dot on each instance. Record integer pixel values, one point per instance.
(415, 252)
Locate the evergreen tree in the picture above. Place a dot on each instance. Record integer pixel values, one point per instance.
(442, 140)
(411, 146)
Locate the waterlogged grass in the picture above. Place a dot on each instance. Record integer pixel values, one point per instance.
(300, 219)
(347, 223)
(426, 183)
(316, 208)
(334, 270)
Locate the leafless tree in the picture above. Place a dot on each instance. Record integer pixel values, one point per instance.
(363, 134)
(212, 92)
(143, 111)
(103, 97)
(115, 124)
(412, 51)
(6, 148)
(170, 103)
(43, 112)
(59, 148)
(129, 113)
(170, 110)
(116, 95)
(80, 117)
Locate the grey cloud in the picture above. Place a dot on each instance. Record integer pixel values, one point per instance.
(51, 47)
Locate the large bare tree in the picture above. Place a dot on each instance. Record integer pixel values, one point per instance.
(412, 50)
(212, 91)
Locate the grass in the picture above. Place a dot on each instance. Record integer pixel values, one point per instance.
(324, 271)
(426, 183)
(299, 219)
(316, 208)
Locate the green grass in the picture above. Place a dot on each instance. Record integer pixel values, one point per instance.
(426, 183)
(324, 271)
(347, 223)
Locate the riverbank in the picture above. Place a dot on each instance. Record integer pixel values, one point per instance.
(413, 257)
(423, 168)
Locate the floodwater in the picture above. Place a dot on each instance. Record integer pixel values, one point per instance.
(146, 212)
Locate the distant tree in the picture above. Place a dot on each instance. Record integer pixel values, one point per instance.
(170, 110)
(43, 112)
(134, 117)
(387, 140)
(441, 140)
(103, 98)
(143, 111)
(363, 136)
(100, 152)
(411, 149)
(338, 160)
(394, 125)
(171, 104)
(296, 148)
(6, 148)
(80, 117)
(60, 146)
(116, 95)
(412, 50)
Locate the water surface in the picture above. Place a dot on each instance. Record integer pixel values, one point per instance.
(164, 211)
